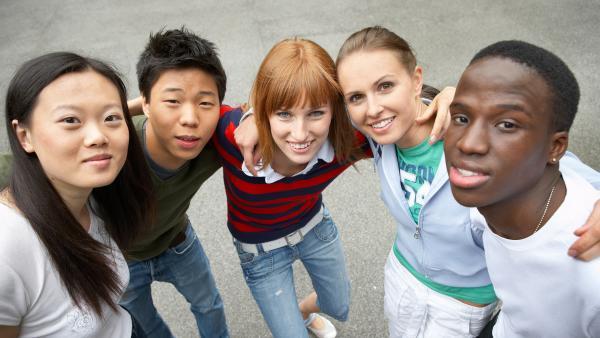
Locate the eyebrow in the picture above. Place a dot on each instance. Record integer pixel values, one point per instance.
(508, 106)
(78, 109)
(374, 84)
(201, 93)
(503, 106)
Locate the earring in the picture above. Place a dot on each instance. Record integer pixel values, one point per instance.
(554, 160)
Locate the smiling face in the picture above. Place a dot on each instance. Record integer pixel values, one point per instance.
(501, 137)
(78, 132)
(298, 133)
(381, 96)
(183, 112)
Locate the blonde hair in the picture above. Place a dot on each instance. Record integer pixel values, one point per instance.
(299, 72)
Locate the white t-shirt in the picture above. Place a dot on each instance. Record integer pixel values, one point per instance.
(32, 295)
(545, 292)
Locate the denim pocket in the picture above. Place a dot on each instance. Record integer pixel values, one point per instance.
(245, 257)
(188, 242)
(256, 267)
(326, 231)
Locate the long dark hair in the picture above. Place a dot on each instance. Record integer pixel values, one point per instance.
(126, 205)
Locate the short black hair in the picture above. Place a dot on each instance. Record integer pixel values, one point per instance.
(553, 70)
(178, 49)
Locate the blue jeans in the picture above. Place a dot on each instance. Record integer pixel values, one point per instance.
(187, 268)
(269, 275)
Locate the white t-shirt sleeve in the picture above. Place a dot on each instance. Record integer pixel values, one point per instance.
(478, 226)
(13, 296)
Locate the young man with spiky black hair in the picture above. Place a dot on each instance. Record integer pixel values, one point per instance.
(182, 85)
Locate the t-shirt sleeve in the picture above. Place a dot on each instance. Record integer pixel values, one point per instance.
(13, 296)
(572, 162)
(477, 226)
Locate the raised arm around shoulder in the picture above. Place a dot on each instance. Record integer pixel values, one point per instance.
(135, 106)
(246, 137)
(440, 107)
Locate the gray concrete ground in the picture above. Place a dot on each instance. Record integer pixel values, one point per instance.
(445, 34)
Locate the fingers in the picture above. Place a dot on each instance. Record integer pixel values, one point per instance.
(441, 124)
(428, 113)
(581, 230)
(588, 245)
(589, 255)
(245, 106)
(249, 155)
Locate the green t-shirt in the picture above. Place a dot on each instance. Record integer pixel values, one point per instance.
(173, 196)
(418, 165)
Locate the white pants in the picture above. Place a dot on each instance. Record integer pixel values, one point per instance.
(415, 310)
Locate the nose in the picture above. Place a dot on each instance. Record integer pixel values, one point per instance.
(299, 130)
(373, 107)
(474, 140)
(189, 116)
(95, 136)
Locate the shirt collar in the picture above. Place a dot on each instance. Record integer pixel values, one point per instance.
(325, 153)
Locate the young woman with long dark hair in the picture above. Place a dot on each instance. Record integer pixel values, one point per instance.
(77, 195)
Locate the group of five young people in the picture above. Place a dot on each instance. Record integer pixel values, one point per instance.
(436, 278)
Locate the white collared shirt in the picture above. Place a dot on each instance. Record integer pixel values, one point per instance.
(325, 153)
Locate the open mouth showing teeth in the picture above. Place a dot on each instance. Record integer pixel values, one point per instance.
(382, 124)
(467, 173)
(299, 146)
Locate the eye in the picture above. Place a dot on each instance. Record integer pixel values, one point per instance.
(355, 98)
(284, 115)
(70, 120)
(385, 86)
(316, 113)
(113, 118)
(507, 125)
(207, 104)
(171, 101)
(460, 119)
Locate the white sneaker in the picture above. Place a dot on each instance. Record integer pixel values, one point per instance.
(327, 331)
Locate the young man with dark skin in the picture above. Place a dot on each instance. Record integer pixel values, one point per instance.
(511, 115)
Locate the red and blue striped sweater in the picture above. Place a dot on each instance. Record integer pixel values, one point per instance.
(258, 212)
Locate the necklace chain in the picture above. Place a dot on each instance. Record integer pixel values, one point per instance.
(547, 205)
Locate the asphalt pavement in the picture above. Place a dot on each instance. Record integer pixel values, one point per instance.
(445, 35)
